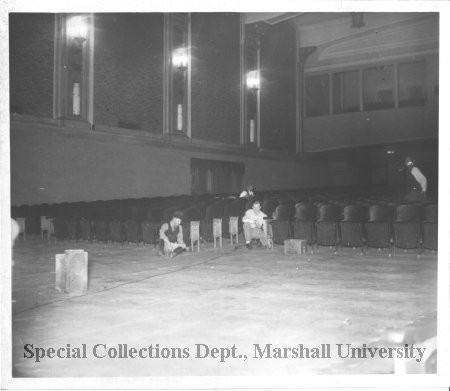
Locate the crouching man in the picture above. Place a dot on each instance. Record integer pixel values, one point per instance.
(171, 236)
(254, 227)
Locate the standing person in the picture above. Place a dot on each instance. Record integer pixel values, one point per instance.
(416, 183)
(247, 193)
(254, 227)
(171, 236)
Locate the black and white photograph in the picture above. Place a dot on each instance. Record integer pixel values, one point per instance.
(218, 197)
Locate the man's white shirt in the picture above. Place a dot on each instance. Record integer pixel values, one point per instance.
(246, 193)
(420, 178)
(255, 220)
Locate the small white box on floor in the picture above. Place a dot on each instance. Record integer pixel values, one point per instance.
(71, 271)
(295, 246)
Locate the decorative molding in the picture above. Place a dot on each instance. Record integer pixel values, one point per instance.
(304, 53)
(286, 16)
(407, 37)
(115, 135)
(362, 61)
(345, 147)
(269, 17)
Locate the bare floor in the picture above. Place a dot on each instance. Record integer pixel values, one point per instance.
(218, 298)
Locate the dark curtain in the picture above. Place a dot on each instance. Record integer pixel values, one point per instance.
(224, 177)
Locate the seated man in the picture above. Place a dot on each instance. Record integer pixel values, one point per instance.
(254, 227)
(171, 236)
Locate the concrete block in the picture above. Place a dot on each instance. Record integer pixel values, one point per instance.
(195, 234)
(234, 229)
(21, 223)
(60, 272)
(217, 231)
(71, 271)
(269, 234)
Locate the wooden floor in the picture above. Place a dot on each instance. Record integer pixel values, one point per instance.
(216, 299)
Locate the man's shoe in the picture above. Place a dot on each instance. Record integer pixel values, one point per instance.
(178, 251)
(249, 246)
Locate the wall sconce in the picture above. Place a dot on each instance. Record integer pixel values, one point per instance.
(180, 58)
(77, 28)
(252, 80)
(390, 150)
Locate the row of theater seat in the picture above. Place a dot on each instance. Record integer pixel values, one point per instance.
(134, 224)
(158, 208)
(321, 222)
(407, 226)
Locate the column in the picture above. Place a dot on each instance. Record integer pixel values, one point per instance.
(303, 54)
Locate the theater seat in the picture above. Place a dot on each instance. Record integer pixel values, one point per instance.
(60, 227)
(327, 225)
(131, 231)
(281, 223)
(101, 231)
(149, 232)
(379, 233)
(72, 229)
(268, 206)
(352, 226)
(430, 227)
(85, 229)
(407, 226)
(115, 231)
(303, 225)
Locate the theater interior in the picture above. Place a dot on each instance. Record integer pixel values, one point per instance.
(117, 120)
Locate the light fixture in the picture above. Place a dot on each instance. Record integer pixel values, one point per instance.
(77, 27)
(252, 80)
(180, 58)
(390, 150)
(76, 99)
(252, 130)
